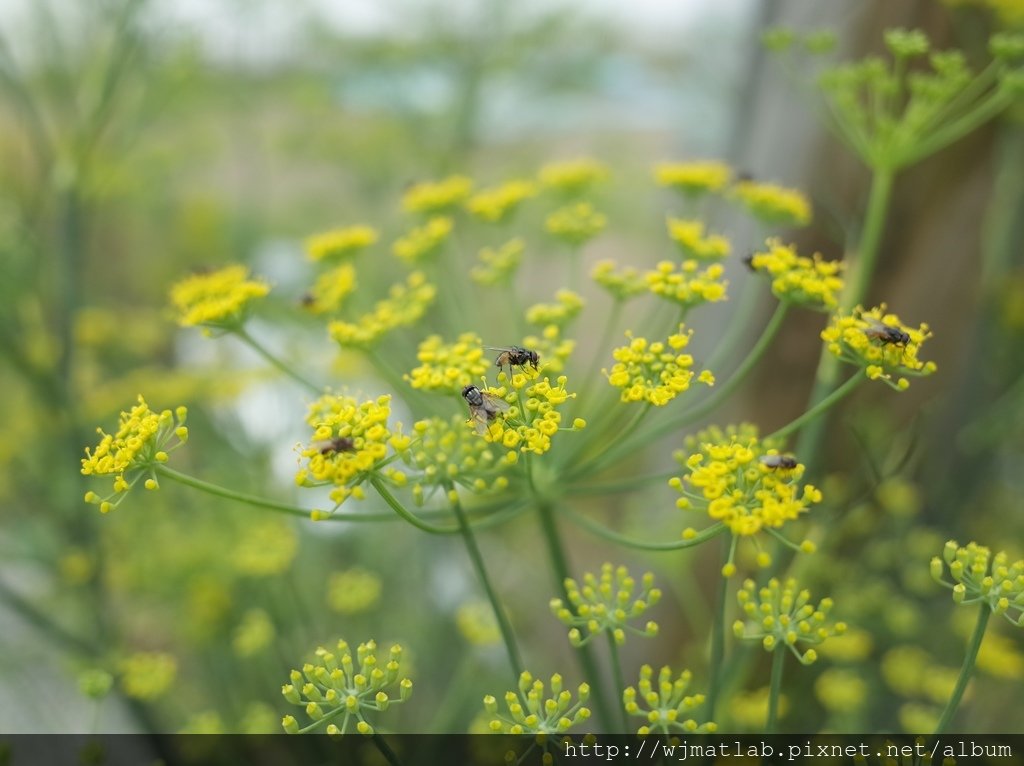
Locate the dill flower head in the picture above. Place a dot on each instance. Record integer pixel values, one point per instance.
(265, 548)
(572, 178)
(447, 367)
(623, 284)
(780, 615)
(741, 482)
(475, 621)
(405, 305)
(349, 439)
(691, 238)
(530, 712)
(423, 241)
(445, 452)
(667, 703)
(655, 372)
(254, 633)
(353, 590)
(330, 290)
(880, 343)
(554, 350)
(567, 307)
(576, 224)
(147, 675)
(216, 299)
(497, 266)
(496, 204)
(607, 604)
(533, 417)
(337, 686)
(143, 440)
(981, 577)
(693, 178)
(343, 242)
(432, 197)
(689, 286)
(772, 204)
(798, 279)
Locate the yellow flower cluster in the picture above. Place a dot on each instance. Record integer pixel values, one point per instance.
(340, 687)
(772, 204)
(567, 306)
(340, 243)
(404, 306)
(331, 289)
(654, 372)
(779, 615)
(254, 633)
(423, 241)
(739, 483)
(498, 203)
(690, 236)
(349, 439)
(877, 341)
(265, 548)
(216, 298)
(447, 367)
(689, 286)
(445, 451)
(141, 442)
(576, 224)
(554, 350)
(529, 428)
(622, 284)
(693, 178)
(979, 576)
(437, 196)
(498, 265)
(573, 177)
(354, 590)
(147, 675)
(475, 621)
(798, 279)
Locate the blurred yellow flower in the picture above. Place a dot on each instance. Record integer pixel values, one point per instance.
(693, 178)
(353, 590)
(404, 306)
(573, 177)
(576, 224)
(692, 240)
(437, 196)
(772, 204)
(331, 289)
(147, 675)
(216, 299)
(495, 205)
(340, 243)
(423, 241)
(265, 548)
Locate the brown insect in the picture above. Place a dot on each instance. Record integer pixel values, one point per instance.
(786, 462)
(483, 407)
(337, 444)
(515, 356)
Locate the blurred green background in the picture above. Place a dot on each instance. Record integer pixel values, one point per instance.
(142, 140)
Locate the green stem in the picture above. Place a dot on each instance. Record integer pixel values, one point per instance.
(860, 271)
(620, 681)
(560, 567)
(268, 504)
(623, 485)
(256, 346)
(966, 670)
(592, 375)
(778, 658)
(958, 128)
(836, 396)
(508, 637)
(607, 451)
(385, 750)
(717, 646)
(397, 507)
(614, 537)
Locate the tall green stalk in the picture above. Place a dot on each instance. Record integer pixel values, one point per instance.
(967, 669)
(775, 690)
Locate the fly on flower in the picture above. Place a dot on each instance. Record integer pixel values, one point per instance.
(514, 356)
(483, 407)
(885, 334)
(785, 462)
(337, 444)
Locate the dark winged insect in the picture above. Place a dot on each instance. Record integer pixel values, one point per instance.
(483, 408)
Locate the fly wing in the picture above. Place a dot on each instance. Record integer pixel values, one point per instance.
(494, 405)
(480, 418)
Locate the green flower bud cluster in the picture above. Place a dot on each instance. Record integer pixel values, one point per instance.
(339, 687)
(981, 577)
(668, 704)
(530, 712)
(780, 615)
(606, 604)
